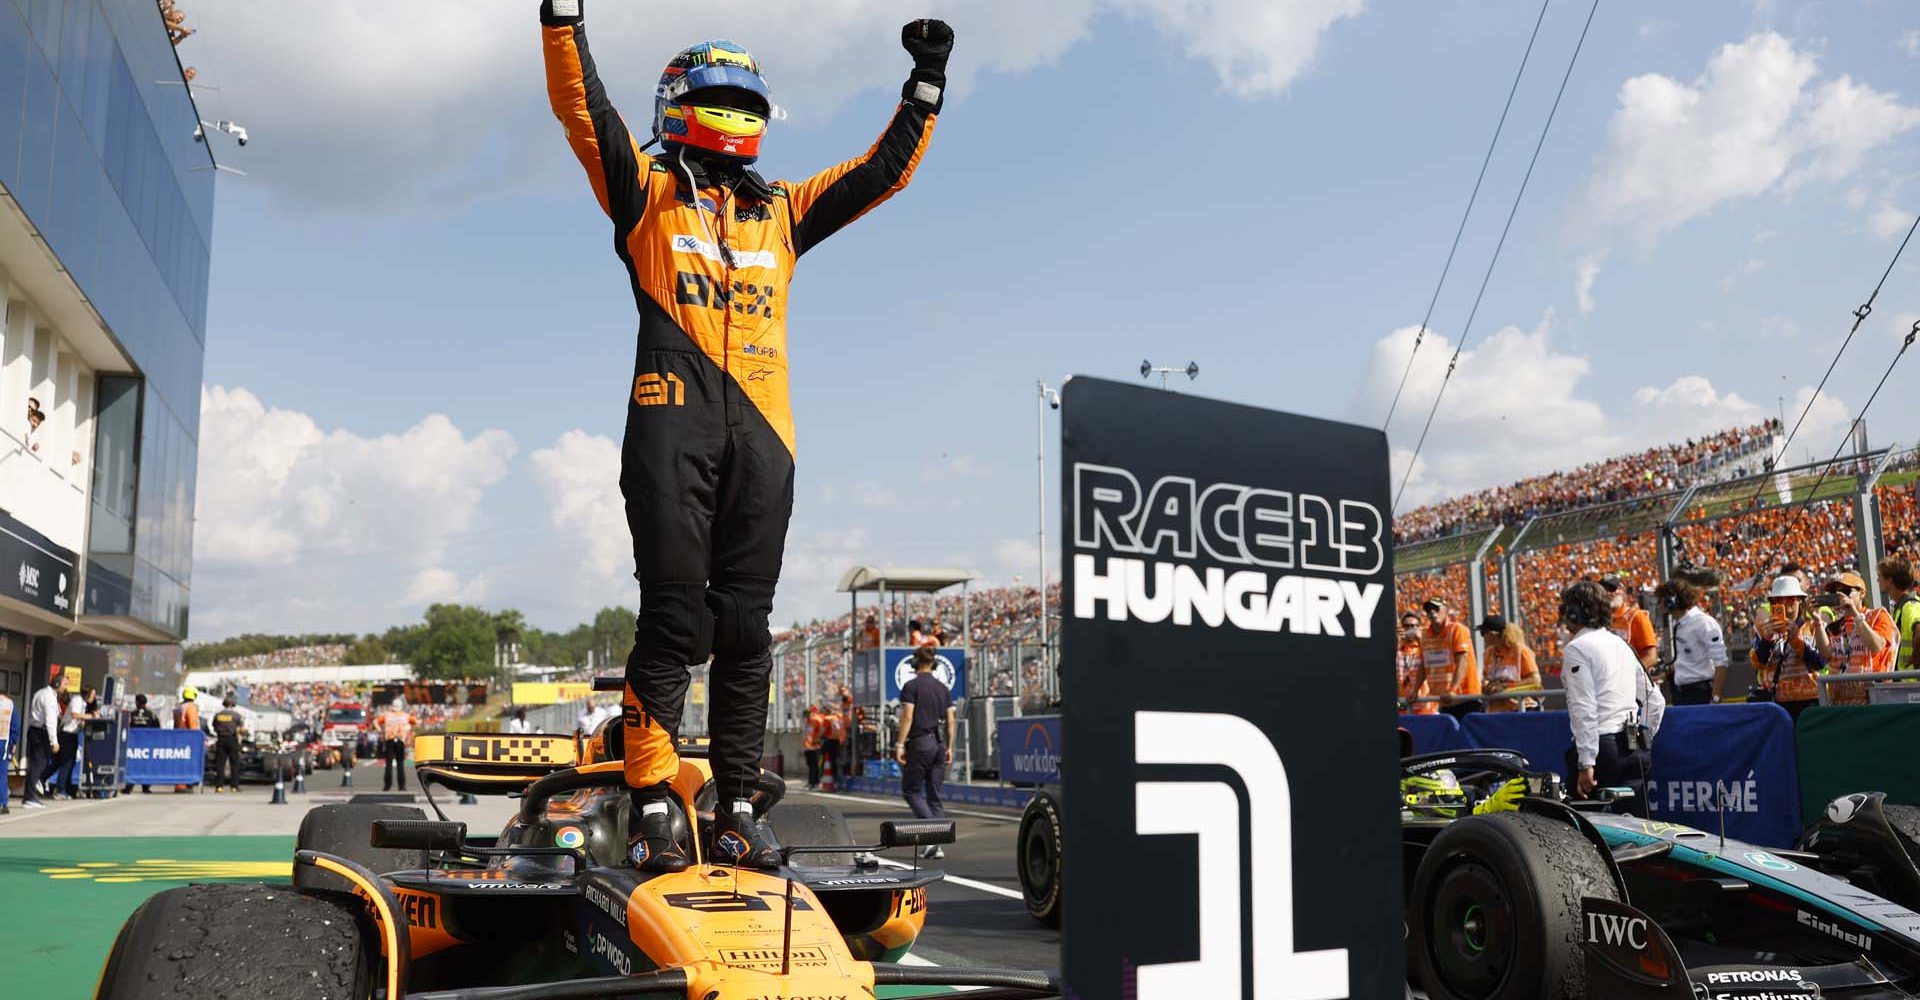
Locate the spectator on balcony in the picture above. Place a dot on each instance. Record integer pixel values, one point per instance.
(35, 417)
(1861, 640)
(1632, 623)
(1896, 579)
(870, 634)
(1446, 651)
(1785, 653)
(1699, 646)
(1510, 664)
(1412, 674)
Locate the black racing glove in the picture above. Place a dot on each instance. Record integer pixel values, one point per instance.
(562, 11)
(929, 42)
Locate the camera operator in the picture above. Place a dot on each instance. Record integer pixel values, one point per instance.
(1860, 640)
(1699, 647)
(1612, 706)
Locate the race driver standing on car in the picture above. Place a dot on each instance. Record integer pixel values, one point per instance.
(706, 466)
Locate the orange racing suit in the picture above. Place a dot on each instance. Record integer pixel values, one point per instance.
(707, 459)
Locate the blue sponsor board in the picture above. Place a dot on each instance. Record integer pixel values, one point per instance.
(1030, 749)
(165, 757)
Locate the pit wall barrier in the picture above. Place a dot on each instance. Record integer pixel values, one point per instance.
(1858, 748)
(1742, 757)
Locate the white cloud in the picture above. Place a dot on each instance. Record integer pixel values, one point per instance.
(1910, 43)
(437, 585)
(368, 104)
(579, 479)
(1583, 278)
(1515, 409)
(287, 512)
(1888, 221)
(1753, 122)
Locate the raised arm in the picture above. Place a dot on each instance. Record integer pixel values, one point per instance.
(826, 202)
(599, 137)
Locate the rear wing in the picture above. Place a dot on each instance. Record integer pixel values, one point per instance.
(492, 763)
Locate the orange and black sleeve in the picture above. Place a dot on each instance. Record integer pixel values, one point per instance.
(823, 204)
(599, 136)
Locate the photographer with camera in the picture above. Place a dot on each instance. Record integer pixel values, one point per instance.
(1699, 646)
(1860, 640)
(1613, 708)
(1786, 653)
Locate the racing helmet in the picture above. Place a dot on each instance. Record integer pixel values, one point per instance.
(1435, 793)
(712, 98)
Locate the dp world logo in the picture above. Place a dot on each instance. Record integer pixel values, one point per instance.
(942, 669)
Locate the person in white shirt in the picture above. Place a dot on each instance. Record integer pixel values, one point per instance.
(43, 738)
(1612, 706)
(1699, 646)
(518, 722)
(6, 748)
(592, 715)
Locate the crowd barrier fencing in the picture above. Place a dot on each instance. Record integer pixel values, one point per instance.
(1736, 763)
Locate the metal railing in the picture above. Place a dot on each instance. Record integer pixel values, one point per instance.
(1889, 687)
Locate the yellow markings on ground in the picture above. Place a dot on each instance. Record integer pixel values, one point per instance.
(166, 870)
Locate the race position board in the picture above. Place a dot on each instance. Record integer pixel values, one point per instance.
(1231, 827)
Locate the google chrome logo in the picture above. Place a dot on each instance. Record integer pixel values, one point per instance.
(569, 836)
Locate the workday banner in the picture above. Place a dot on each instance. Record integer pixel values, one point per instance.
(1030, 749)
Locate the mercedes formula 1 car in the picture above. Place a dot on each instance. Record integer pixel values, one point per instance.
(1514, 892)
(388, 904)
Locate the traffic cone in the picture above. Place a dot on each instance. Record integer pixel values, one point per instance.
(467, 799)
(826, 776)
(346, 775)
(279, 791)
(299, 782)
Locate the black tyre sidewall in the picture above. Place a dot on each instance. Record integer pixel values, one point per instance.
(194, 940)
(1040, 828)
(345, 830)
(1545, 867)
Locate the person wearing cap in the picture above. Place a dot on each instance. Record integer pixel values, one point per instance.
(1896, 579)
(1446, 651)
(1613, 707)
(141, 717)
(1699, 646)
(1510, 663)
(186, 715)
(1861, 640)
(1632, 623)
(1411, 672)
(1785, 653)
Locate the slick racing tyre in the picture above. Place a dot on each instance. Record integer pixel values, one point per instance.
(1495, 909)
(345, 830)
(263, 942)
(1039, 850)
(797, 824)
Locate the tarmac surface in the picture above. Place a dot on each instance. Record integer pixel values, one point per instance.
(77, 869)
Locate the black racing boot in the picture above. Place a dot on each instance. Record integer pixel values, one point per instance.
(657, 832)
(738, 839)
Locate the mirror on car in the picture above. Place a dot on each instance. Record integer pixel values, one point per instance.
(916, 833)
(418, 834)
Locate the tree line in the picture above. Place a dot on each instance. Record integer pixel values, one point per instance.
(451, 641)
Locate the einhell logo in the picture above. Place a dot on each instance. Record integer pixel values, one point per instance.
(1161, 531)
(1833, 930)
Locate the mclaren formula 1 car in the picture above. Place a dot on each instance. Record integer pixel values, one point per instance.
(1514, 892)
(388, 904)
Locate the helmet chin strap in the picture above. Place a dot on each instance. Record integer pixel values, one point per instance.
(693, 193)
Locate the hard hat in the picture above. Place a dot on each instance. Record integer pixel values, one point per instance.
(189, 694)
(1787, 586)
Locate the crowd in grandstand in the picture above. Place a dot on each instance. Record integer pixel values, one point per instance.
(328, 655)
(1728, 454)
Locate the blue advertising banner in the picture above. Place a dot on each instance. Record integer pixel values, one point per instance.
(1434, 733)
(950, 665)
(1030, 749)
(1737, 757)
(165, 757)
(1706, 756)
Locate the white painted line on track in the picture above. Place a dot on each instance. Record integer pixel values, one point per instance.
(912, 959)
(963, 882)
(845, 797)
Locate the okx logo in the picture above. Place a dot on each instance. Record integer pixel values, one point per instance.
(1211, 809)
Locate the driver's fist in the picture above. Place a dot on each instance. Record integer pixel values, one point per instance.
(929, 41)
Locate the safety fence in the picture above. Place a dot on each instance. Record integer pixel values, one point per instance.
(1826, 516)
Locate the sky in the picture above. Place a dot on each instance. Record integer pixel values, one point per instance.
(420, 340)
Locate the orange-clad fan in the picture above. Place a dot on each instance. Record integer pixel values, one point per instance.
(1632, 623)
(186, 715)
(1510, 664)
(1861, 640)
(395, 727)
(1446, 651)
(810, 745)
(1412, 672)
(1785, 653)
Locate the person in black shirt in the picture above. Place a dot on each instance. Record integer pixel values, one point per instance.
(141, 718)
(926, 741)
(227, 727)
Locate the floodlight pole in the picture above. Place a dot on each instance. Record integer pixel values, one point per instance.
(1148, 369)
(1046, 397)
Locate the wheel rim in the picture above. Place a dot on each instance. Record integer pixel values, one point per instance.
(1039, 860)
(1470, 931)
